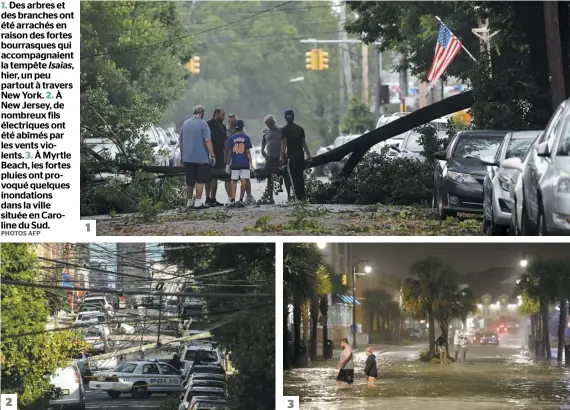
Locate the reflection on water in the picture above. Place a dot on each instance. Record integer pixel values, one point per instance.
(492, 380)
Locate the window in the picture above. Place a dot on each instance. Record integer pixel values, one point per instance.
(477, 147)
(203, 356)
(125, 368)
(518, 147)
(564, 144)
(150, 369)
(166, 369)
(548, 131)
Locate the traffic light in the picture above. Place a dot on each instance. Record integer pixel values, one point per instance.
(323, 60)
(343, 280)
(193, 65)
(312, 59)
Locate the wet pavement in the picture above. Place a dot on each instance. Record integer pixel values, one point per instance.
(492, 378)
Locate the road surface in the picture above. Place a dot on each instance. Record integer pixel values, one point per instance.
(504, 377)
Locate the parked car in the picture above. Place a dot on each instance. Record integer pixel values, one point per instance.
(86, 363)
(388, 118)
(257, 157)
(458, 184)
(205, 354)
(191, 393)
(90, 317)
(137, 378)
(515, 188)
(410, 146)
(496, 186)
(322, 170)
(69, 389)
(546, 179)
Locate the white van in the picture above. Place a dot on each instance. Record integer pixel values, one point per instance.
(206, 353)
(69, 384)
(93, 317)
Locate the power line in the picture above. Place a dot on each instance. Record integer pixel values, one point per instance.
(187, 35)
(129, 292)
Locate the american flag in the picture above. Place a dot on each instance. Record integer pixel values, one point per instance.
(446, 49)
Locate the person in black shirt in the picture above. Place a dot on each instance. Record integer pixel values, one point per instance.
(370, 369)
(441, 343)
(219, 139)
(293, 148)
(175, 362)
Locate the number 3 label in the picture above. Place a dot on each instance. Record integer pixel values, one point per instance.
(8, 401)
(290, 403)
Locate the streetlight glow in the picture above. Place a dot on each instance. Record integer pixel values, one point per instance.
(322, 244)
(367, 269)
(524, 263)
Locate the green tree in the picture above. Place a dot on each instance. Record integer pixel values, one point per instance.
(28, 361)
(324, 287)
(501, 100)
(302, 265)
(426, 291)
(250, 335)
(246, 67)
(357, 119)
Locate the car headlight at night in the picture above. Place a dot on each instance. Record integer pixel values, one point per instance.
(563, 185)
(459, 177)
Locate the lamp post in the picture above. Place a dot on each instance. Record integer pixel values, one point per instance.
(524, 260)
(367, 269)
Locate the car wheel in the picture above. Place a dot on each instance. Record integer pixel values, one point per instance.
(541, 222)
(114, 394)
(441, 213)
(139, 391)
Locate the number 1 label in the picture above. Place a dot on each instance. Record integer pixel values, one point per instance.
(290, 403)
(8, 401)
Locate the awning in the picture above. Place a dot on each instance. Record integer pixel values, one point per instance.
(346, 299)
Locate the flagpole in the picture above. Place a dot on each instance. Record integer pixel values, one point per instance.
(462, 46)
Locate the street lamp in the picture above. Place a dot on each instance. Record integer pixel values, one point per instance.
(524, 260)
(367, 269)
(321, 245)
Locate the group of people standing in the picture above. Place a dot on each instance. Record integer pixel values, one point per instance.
(346, 366)
(460, 343)
(208, 145)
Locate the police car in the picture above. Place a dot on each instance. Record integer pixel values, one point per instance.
(139, 378)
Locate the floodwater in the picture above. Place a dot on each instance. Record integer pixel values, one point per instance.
(492, 378)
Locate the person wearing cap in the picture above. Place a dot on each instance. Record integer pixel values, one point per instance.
(238, 159)
(197, 154)
(292, 146)
(232, 118)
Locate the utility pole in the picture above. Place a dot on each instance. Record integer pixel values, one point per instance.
(554, 53)
(159, 288)
(365, 79)
(345, 54)
(342, 90)
(378, 76)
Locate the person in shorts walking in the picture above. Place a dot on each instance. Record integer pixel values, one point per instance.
(197, 154)
(238, 158)
(271, 150)
(346, 365)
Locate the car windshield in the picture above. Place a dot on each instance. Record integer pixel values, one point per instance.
(204, 356)
(477, 147)
(92, 333)
(564, 146)
(518, 147)
(126, 368)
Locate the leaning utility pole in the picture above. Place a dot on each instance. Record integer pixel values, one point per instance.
(378, 85)
(342, 90)
(365, 79)
(554, 53)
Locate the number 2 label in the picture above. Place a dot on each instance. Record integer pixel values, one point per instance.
(8, 401)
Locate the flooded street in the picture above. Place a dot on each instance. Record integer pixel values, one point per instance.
(492, 378)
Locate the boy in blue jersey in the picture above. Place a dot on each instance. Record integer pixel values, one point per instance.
(239, 160)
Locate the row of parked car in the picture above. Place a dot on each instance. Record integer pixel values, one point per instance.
(519, 180)
(164, 143)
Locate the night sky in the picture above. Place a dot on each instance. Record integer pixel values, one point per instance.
(396, 258)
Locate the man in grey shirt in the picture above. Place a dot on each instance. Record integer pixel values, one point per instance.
(197, 155)
(271, 150)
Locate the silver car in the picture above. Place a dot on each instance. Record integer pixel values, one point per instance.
(411, 147)
(496, 196)
(546, 179)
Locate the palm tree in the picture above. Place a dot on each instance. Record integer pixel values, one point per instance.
(324, 311)
(429, 283)
(300, 284)
(322, 289)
